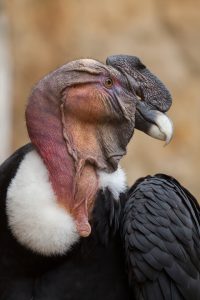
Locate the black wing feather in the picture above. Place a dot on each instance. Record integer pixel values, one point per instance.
(161, 233)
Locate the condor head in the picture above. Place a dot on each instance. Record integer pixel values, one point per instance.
(80, 119)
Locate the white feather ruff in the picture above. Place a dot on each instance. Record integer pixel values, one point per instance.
(34, 216)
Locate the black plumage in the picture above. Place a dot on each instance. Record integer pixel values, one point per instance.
(145, 246)
(80, 119)
(92, 269)
(161, 235)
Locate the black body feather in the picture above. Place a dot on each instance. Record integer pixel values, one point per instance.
(161, 235)
(146, 246)
(93, 269)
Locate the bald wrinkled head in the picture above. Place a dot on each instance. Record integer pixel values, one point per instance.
(81, 117)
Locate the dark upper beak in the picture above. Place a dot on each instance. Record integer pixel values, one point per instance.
(153, 99)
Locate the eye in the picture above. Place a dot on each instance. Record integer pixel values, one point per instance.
(108, 83)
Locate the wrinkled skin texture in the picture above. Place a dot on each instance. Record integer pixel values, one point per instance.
(80, 119)
(80, 124)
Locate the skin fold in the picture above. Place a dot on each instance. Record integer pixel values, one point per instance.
(80, 119)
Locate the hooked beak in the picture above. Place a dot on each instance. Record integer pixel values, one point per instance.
(149, 120)
(153, 122)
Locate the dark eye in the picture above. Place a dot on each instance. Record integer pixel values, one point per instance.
(108, 83)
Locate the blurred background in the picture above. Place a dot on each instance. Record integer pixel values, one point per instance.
(38, 36)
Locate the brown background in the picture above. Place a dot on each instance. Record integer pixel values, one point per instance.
(165, 34)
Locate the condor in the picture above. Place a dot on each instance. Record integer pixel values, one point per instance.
(64, 202)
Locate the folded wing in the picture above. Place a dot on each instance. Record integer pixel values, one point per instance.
(161, 233)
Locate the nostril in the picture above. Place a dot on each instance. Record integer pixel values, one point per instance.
(133, 85)
(139, 94)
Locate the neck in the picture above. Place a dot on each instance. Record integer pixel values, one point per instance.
(69, 178)
(45, 131)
